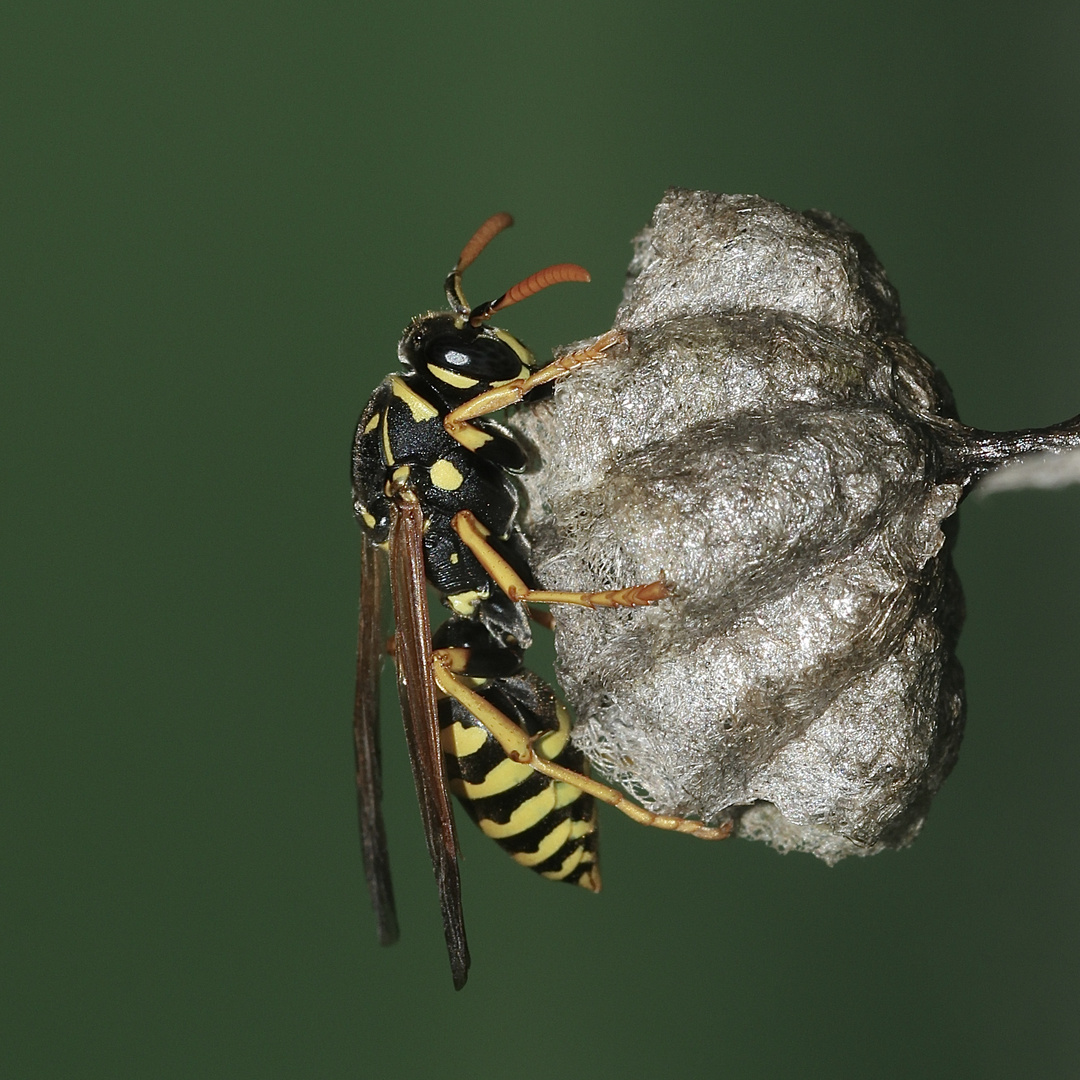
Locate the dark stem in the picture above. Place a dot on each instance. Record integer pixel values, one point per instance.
(970, 453)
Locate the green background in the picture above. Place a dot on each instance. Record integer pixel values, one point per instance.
(216, 219)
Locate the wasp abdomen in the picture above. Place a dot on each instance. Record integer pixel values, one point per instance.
(544, 824)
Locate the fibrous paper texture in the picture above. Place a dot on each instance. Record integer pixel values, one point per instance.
(769, 442)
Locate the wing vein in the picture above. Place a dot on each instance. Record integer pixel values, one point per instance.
(369, 653)
(416, 690)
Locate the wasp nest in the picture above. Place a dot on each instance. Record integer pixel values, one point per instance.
(770, 443)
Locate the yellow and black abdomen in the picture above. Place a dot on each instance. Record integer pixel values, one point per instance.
(547, 825)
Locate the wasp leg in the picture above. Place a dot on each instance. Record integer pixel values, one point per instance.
(500, 397)
(518, 746)
(541, 617)
(474, 535)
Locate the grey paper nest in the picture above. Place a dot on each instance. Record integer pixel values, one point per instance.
(771, 444)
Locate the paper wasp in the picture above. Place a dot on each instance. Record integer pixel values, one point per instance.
(433, 491)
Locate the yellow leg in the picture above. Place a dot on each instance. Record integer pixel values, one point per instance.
(474, 535)
(518, 747)
(500, 397)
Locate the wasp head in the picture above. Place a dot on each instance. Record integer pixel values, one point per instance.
(460, 360)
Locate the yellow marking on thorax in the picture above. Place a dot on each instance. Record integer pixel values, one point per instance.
(470, 437)
(369, 519)
(548, 846)
(454, 560)
(461, 741)
(445, 475)
(372, 424)
(464, 603)
(528, 814)
(420, 408)
(462, 382)
(400, 475)
(506, 775)
(387, 452)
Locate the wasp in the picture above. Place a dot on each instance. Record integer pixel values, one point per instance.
(435, 495)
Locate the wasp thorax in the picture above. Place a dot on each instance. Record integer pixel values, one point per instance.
(772, 444)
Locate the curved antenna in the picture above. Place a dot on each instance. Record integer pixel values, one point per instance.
(551, 275)
(479, 240)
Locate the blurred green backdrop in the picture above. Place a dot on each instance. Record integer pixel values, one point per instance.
(216, 219)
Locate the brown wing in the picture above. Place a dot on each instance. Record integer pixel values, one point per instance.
(369, 653)
(416, 689)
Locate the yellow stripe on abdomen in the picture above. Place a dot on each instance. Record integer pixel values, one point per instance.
(529, 813)
(459, 740)
(552, 744)
(548, 846)
(506, 775)
(570, 864)
(566, 793)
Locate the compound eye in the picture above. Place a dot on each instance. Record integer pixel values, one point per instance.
(454, 358)
(484, 358)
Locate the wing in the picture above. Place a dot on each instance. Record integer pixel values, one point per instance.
(369, 653)
(416, 689)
